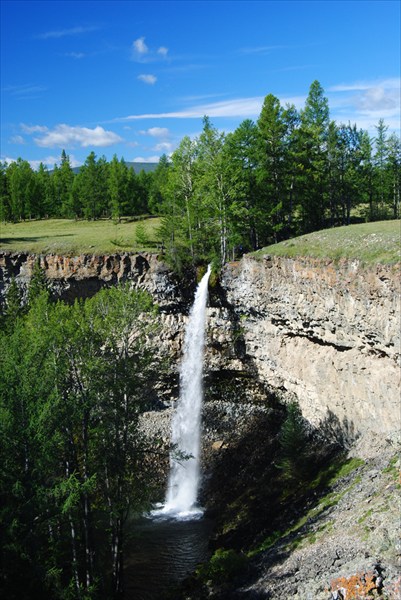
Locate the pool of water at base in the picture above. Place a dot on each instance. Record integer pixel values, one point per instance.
(163, 553)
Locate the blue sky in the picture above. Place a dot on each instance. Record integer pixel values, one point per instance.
(132, 78)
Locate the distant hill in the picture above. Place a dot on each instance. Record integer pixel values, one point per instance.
(137, 166)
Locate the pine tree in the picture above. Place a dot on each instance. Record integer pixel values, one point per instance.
(312, 137)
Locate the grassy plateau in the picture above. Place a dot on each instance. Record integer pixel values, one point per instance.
(69, 237)
(378, 242)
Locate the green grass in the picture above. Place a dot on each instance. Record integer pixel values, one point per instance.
(69, 237)
(371, 243)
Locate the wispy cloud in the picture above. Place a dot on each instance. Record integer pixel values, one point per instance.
(157, 132)
(25, 90)
(67, 136)
(238, 107)
(365, 102)
(146, 159)
(139, 46)
(231, 108)
(29, 129)
(48, 161)
(262, 49)
(17, 139)
(60, 33)
(149, 79)
(76, 55)
(163, 147)
(140, 52)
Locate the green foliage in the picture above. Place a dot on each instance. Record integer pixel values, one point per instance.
(293, 439)
(141, 236)
(37, 283)
(223, 566)
(290, 173)
(74, 381)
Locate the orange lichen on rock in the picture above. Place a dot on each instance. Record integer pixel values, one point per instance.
(360, 585)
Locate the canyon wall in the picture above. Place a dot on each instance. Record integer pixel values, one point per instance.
(324, 333)
(328, 333)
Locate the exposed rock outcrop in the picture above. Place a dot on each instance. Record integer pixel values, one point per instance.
(327, 333)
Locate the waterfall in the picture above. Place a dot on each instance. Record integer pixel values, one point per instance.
(183, 482)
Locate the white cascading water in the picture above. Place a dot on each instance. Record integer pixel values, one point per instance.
(184, 475)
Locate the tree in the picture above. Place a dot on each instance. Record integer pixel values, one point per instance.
(118, 186)
(5, 206)
(158, 185)
(37, 283)
(46, 192)
(212, 183)
(90, 187)
(13, 304)
(394, 172)
(23, 192)
(63, 177)
(272, 164)
(241, 158)
(379, 162)
(312, 136)
(74, 382)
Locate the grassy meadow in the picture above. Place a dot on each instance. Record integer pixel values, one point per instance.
(69, 237)
(371, 243)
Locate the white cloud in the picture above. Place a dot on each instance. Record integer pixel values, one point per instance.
(139, 46)
(76, 55)
(241, 107)
(390, 83)
(147, 159)
(65, 32)
(163, 147)
(33, 128)
(67, 136)
(262, 49)
(149, 79)
(365, 102)
(158, 132)
(17, 139)
(24, 90)
(140, 52)
(49, 161)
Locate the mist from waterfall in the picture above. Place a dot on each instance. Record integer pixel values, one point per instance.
(184, 477)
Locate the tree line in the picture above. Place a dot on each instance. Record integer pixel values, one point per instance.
(99, 189)
(290, 172)
(74, 467)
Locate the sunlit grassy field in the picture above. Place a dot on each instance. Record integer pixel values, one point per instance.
(378, 242)
(69, 237)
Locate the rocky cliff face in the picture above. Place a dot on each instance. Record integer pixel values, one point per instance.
(327, 333)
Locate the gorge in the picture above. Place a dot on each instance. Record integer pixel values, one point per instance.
(323, 334)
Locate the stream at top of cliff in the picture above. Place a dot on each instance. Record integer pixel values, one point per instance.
(164, 551)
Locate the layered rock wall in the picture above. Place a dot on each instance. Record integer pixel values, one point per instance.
(327, 333)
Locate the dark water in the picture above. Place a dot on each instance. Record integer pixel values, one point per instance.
(164, 553)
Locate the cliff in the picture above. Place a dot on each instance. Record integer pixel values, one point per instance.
(325, 334)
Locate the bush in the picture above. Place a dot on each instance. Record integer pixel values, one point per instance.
(223, 566)
(293, 439)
